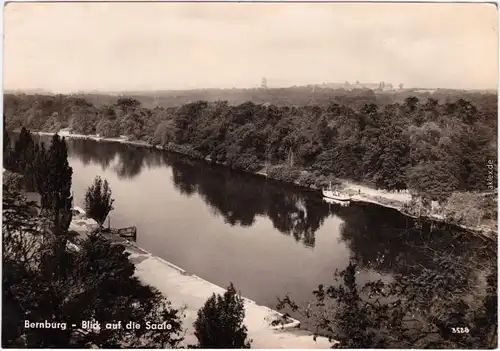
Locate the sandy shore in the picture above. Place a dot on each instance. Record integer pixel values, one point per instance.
(190, 291)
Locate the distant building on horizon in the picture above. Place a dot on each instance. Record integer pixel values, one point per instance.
(263, 83)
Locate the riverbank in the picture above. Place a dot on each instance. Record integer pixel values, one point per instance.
(399, 201)
(183, 289)
(266, 327)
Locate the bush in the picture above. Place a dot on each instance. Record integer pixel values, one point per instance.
(468, 209)
(284, 173)
(245, 162)
(13, 180)
(306, 179)
(220, 322)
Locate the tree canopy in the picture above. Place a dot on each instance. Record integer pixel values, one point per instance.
(431, 145)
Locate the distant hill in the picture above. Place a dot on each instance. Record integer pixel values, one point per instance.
(28, 91)
(321, 95)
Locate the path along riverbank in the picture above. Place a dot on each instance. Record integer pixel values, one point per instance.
(359, 193)
(184, 289)
(189, 292)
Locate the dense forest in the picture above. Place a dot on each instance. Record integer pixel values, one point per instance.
(432, 148)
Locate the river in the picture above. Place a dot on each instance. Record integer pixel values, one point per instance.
(268, 238)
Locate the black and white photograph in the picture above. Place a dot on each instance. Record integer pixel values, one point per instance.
(267, 175)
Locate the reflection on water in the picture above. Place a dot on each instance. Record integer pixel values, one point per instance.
(398, 246)
(237, 201)
(336, 202)
(266, 237)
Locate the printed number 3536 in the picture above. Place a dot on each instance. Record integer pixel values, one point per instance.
(460, 330)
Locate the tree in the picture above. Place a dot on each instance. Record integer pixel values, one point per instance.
(80, 115)
(98, 201)
(41, 170)
(20, 247)
(406, 312)
(96, 282)
(57, 199)
(164, 133)
(52, 124)
(220, 322)
(432, 180)
(6, 147)
(108, 128)
(21, 160)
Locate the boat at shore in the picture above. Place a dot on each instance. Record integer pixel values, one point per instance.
(335, 195)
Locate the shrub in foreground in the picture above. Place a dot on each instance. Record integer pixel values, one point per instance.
(220, 322)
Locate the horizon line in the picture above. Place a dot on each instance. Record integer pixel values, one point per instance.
(360, 85)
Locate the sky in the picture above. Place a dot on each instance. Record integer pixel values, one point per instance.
(68, 47)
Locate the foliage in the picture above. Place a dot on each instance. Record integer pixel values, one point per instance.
(98, 201)
(467, 208)
(108, 129)
(44, 171)
(7, 146)
(164, 133)
(45, 280)
(304, 178)
(286, 174)
(56, 191)
(433, 144)
(13, 180)
(52, 124)
(41, 167)
(427, 308)
(220, 322)
(432, 180)
(81, 116)
(21, 158)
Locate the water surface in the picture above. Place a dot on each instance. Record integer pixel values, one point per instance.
(266, 237)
